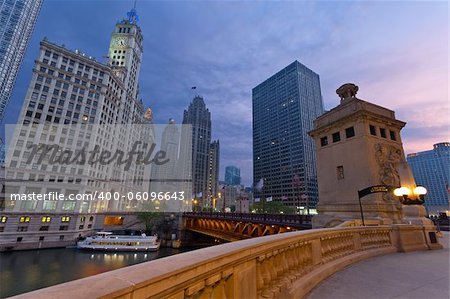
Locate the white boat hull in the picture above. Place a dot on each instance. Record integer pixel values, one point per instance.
(106, 241)
(118, 248)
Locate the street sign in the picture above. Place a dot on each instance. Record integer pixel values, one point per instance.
(370, 190)
(375, 189)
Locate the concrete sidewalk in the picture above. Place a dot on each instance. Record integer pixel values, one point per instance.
(420, 274)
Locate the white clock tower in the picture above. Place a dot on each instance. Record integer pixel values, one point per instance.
(125, 52)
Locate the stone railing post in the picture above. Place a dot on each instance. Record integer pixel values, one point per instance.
(316, 250)
(244, 281)
(357, 241)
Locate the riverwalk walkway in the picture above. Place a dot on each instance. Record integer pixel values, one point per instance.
(419, 274)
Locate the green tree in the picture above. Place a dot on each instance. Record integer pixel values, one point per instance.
(272, 207)
(151, 220)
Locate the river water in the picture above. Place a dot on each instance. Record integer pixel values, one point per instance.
(24, 271)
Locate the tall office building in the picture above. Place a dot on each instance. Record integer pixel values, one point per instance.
(174, 175)
(79, 105)
(199, 117)
(17, 20)
(213, 171)
(284, 108)
(170, 142)
(232, 176)
(431, 169)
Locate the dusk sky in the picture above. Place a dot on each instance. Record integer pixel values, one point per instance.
(396, 52)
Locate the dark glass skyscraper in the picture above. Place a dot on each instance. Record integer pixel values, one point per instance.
(232, 176)
(199, 117)
(17, 19)
(431, 169)
(284, 107)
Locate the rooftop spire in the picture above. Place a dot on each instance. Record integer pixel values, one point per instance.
(133, 18)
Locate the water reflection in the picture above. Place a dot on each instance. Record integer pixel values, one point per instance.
(24, 271)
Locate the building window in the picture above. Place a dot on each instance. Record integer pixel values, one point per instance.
(82, 218)
(324, 141)
(2, 229)
(372, 130)
(65, 218)
(44, 228)
(393, 136)
(61, 238)
(64, 227)
(19, 239)
(24, 219)
(3, 219)
(382, 132)
(91, 218)
(41, 238)
(22, 228)
(336, 137)
(81, 227)
(340, 172)
(349, 132)
(46, 219)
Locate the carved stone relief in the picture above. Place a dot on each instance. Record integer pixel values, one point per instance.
(388, 158)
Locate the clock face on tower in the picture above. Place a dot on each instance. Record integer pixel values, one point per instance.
(121, 42)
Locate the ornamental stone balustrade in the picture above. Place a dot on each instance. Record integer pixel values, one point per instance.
(285, 265)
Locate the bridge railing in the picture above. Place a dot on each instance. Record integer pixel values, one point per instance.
(252, 217)
(285, 265)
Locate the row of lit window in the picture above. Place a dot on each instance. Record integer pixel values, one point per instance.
(26, 219)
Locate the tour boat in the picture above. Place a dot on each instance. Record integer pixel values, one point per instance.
(106, 241)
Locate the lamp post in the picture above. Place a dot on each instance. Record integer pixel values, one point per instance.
(404, 193)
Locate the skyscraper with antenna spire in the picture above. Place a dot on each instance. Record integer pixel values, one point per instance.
(199, 117)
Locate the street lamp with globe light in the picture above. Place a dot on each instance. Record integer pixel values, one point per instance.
(404, 194)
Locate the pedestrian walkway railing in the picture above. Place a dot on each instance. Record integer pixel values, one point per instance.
(286, 265)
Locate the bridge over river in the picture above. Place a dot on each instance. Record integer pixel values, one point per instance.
(239, 226)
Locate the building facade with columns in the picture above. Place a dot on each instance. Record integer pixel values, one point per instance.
(77, 104)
